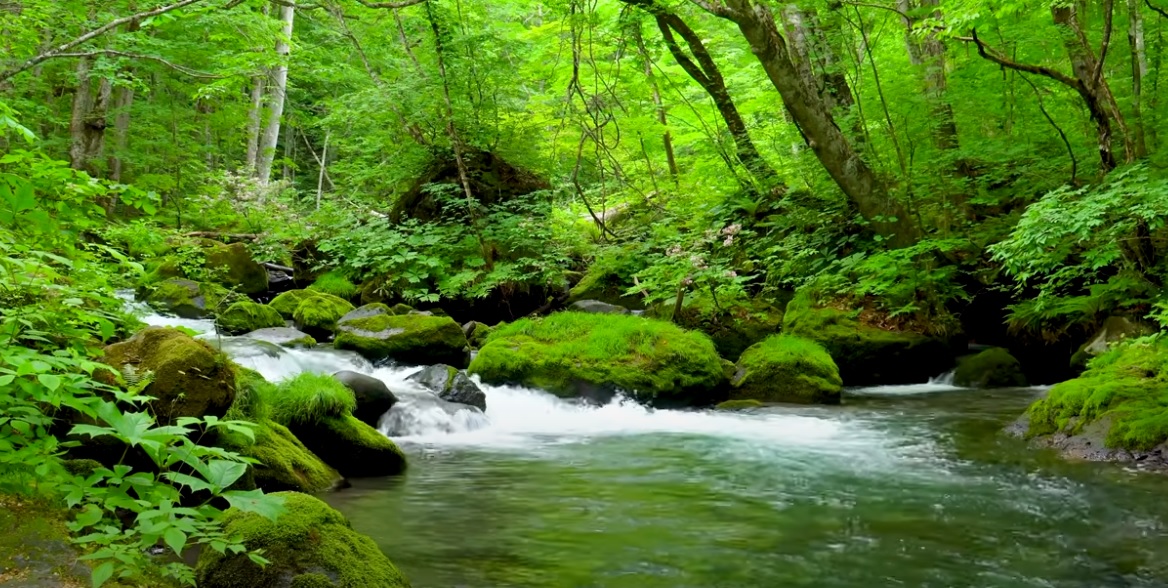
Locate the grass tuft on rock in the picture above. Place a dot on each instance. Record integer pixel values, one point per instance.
(336, 284)
(308, 398)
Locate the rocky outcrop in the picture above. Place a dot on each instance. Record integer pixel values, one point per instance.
(411, 338)
(309, 545)
(1114, 330)
(374, 398)
(785, 368)
(594, 356)
(451, 385)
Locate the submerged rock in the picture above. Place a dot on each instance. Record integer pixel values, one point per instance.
(574, 354)
(868, 355)
(374, 398)
(451, 385)
(1115, 411)
(283, 336)
(739, 405)
(785, 368)
(245, 317)
(597, 307)
(310, 545)
(992, 368)
(189, 378)
(412, 338)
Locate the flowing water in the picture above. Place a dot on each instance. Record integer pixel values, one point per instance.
(900, 486)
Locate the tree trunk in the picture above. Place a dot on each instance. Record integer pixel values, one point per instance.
(88, 122)
(929, 54)
(1139, 67)
(706, 73)
(1083, 65)
(666, 136)
(801, 99)
(271, 135)
(254, 114)
(122, 101)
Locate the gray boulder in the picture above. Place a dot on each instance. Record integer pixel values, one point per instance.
(374, 398)
(283, 336)
(597, 307)
(451, 385)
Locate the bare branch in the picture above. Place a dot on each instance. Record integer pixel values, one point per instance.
(110, 52)
(99, 31)
(987, 52)
(1158, 10)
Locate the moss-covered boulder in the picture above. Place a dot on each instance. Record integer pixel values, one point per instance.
(366, 311)
(379, 289)
(245, 317)
(739, 405)
(592, 355)
(732, 326)
(318, 314)
(868, 355)
(476, 333)
(189, 377)
(354, 448)
(409, 338)
(283, 336)
(286, 302)
(284, 462)
(992, 368)
(786, 368)
(334, 282)
(318, 409)
(233, 266)
(1118, 408)
(608, 280)
(187, 298)
(1113, 331)
(310, 545)
(160, 269)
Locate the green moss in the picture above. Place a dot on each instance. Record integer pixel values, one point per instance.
(335, 283)
(786, 368)
(1126, 387)
(607, 280)
(320, 313)
(190, 378)
(245, 317)
(568, 352)
(286, 302)
(992, 368)
(352, 447)
(188, 298)
(739, 404)
(160, 269)
(233, 266)
(867, 355)
(312, 581)
(309, 539)
(410, 338)
(401, 308)
(308, 398)
(477, 333)
(732, 326)
(285, 463)
(251, 394)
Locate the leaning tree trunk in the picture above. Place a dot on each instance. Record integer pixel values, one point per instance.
(271, 134)
(802, 100)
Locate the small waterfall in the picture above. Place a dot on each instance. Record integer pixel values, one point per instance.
(945, 379)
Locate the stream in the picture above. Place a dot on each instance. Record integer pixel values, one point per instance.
(900, 486)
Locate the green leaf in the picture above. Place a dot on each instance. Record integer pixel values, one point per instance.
(102, 574)
(175, 539)
(255, 501)
(223, 473)
(50, 381)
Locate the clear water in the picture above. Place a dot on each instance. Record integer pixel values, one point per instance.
(900, 486)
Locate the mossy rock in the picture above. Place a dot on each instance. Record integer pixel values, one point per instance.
(868, 355)
(410, 338)
(476, 333)
(366, 311)
(283, 336)
(308, 544)
(318, 314)
(594, 355)
(1125, 390)
(1113, 331)
(335, 283)
(233, 266)
(285, 463)
(245, 317)
(607, 280)
(786, 368)
(376, 290)
(733, 327)
(188, 298)
(306, 258)
(160, 269)
(190, 378)
(354, 448)
(992, 368)
(739, 405)
(286, 302)
(401, 308)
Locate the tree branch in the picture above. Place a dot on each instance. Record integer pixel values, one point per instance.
(111, 52)
(401, 4)
(1160, 11)
(987, 52)
(99, 31)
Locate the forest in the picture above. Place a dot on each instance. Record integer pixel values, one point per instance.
(743, 209)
